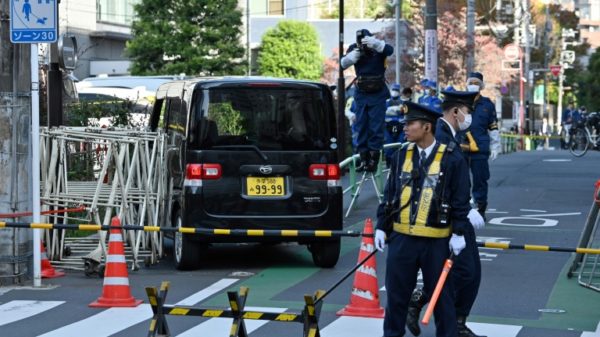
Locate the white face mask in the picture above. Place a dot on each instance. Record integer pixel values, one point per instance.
(466, 123)
(395, 94)
(473, 88)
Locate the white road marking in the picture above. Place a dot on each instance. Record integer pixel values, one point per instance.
(353, 326)
(532, 210)
(217, 327)
(17, 310)
(510, 221)
(495, 330)
(557, 160)
(555, 214)
(122, 318)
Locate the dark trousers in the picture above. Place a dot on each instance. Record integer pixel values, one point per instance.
(480, 170)
(466, 275)
(370, 126)
(406, 255)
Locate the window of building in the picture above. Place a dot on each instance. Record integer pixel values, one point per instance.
(118, 12)
(267, 7)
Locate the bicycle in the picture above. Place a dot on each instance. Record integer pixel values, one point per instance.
(585, 135)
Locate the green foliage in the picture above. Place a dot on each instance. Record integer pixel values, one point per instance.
(195, 37)
(589, 84)
(291, 49)
(229, 121)
(88, 113)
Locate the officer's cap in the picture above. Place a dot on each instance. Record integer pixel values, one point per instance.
(396, 86)
(452, 98)
(476, 75)
(450, 88)
(432, 84)
(424, 82)
(414, 112)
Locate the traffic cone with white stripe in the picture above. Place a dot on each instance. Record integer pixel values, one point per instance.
(47, 270)
(116, 291)
(364, 299)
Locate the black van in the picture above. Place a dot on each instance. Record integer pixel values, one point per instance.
(250, 153)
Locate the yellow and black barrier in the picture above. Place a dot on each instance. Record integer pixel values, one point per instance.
(237, 301)
(539, 248)
(273, 233)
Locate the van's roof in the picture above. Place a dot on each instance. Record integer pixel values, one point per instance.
(224, 80)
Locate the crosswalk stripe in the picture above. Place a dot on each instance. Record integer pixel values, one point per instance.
(592, 333)
(359, 326)
(495, 330)
(17, 310)
(122, 318)
(217, 327)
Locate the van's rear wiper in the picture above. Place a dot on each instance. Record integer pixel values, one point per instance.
(252, 147)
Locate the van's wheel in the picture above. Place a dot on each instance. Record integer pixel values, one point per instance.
(326, 254)
(187, 253)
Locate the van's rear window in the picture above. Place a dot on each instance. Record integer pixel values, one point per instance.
(269, 118)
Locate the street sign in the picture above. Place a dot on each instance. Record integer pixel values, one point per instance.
(567, 56)
(512, 52)
(33, 21)
(555, 70)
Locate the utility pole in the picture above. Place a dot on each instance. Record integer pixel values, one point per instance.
(398, 4)
(15, 191)
(431, 44)
(526, 36)
(546, 51)
(517, 39)
(470, 36)
(248, 37)
(341, 89)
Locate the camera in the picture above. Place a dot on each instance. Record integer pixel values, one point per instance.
(360, 34)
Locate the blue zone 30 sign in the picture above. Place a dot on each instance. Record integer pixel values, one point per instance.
(33, 21)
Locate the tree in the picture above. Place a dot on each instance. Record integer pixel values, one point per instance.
(197, 37)
(291, 49)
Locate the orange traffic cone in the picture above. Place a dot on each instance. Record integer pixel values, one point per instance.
(116, 292)
(364, 299)
(47, 270)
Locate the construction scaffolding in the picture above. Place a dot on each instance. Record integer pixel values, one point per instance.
(108, 172)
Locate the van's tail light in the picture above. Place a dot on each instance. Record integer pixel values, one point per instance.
(329, 172)
(195, 173)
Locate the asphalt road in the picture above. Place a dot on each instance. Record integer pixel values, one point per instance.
(537, 198)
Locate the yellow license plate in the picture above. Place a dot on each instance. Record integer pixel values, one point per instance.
(265, 186)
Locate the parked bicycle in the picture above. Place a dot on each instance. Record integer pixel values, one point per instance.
(585, 134)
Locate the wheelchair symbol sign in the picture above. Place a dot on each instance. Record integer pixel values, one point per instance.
(33, 21)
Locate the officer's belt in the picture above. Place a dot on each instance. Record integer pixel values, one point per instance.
(416, 224)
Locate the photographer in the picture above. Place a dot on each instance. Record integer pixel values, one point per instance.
(368, 56)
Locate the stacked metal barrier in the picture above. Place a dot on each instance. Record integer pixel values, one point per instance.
(109, 172)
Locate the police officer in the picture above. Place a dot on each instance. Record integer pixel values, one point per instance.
(368, 55)
(466, 273)
(422, 219)
(483, 140)
(422, 92)
(431, 99)
(394, 121)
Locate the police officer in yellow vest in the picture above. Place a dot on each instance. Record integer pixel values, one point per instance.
(424, 216)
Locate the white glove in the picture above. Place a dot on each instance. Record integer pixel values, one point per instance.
(373, 43)
(351, 116)
(494, 144)
(379, 240)
(350, 58)
(393, 111)
(476, 219)
(457, 244)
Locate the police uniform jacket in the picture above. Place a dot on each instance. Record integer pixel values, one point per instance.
(484, 120)
(371, 63)
(453, 189)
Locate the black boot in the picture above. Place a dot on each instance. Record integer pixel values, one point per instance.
(373, 161)
(481, 208)
(417, 302)
(463, 330)
(364, 161)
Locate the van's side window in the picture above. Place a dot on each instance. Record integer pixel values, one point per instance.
(158, 115)
(176, 116)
